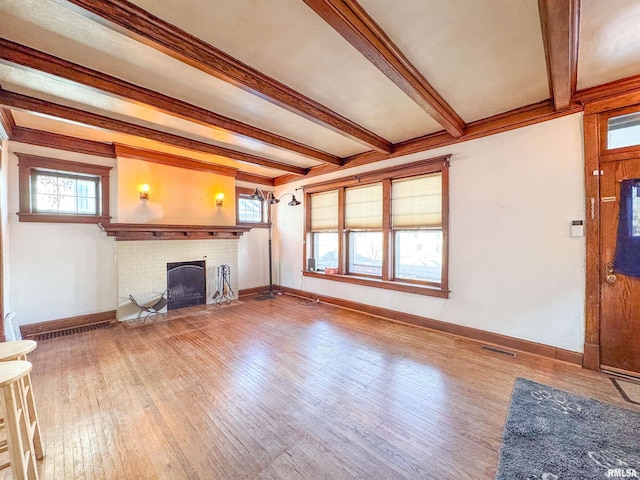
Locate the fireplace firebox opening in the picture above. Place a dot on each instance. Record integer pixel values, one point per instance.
(187, 284)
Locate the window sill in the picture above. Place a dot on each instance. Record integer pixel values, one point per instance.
(61, 218)
(371, 282)
(253, 225)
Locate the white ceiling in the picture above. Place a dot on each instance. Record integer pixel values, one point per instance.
(484, 57)
(609, 41)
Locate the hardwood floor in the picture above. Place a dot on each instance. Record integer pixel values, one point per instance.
(280, 389)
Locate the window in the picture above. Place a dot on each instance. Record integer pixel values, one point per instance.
(363, 224)
(620, 131)
(416, 214)
(56, 192)
(635, 210)
(324, 229)
(386, 228)
(623, 131)
(53, 190)
(251, 211)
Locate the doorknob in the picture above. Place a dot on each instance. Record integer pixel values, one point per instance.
(611, 277)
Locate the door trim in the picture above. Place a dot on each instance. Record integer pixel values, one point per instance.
(593, 158)
(591, 357)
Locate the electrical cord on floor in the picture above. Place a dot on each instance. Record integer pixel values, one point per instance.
(307, 302)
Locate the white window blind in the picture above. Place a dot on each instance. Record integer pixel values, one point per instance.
(417, 202)
(364, 207)
(324, 211)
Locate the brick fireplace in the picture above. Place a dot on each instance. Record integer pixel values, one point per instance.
(143, 252)
(141, 267)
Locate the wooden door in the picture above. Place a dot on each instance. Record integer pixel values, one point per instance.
(620, 294)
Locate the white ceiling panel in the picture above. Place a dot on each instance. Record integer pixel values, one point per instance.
(609, 41)
(483, 56)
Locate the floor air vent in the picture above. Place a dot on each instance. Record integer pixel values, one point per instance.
(497, 350)
(70, 331)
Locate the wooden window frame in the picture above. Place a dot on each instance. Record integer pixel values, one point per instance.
(387, 280)
(621, 153)
(28, 163)
(243, 191)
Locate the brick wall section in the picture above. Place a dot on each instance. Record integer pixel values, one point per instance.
(141, 267)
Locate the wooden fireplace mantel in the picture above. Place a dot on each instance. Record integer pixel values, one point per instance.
(156, 231)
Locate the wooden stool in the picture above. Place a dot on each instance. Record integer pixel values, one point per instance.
(19, 441)
(18, 351)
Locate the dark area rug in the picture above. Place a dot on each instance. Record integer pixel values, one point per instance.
(554, 435)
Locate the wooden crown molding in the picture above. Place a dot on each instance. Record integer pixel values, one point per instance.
(151, 231)
(351, 21)
(255, 179)
(520, 117)
(23, 102)
(419, 167)
(610, 96)
(7, 124)
(142, 26)
(21, 55)
(560, 22)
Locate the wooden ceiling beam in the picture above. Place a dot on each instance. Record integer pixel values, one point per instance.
(136, 23)
(351, 21)
(560, 23)
(23, 102)
(20, 55)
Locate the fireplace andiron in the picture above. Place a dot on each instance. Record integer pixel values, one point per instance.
(224, 292)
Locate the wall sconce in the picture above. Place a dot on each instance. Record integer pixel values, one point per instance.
(219, 199)
(144, 191)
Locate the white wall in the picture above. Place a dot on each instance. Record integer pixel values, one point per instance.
(253, 252)
(9, 317)
(56, 270)
(253, 263)
(514, 269)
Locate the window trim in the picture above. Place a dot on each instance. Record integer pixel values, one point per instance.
(388, 280)
(27, 163)
(249, 191)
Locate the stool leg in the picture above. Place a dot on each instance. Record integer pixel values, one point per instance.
(30, 409)
(23, 462)
(31, 415)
